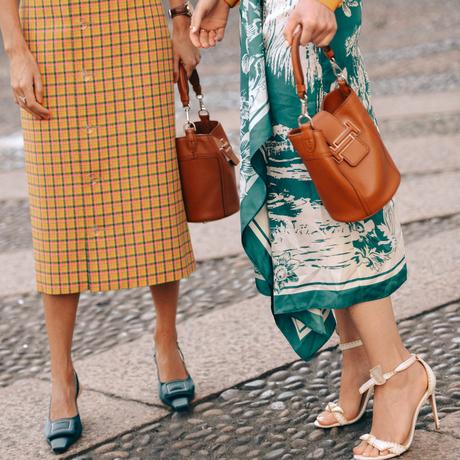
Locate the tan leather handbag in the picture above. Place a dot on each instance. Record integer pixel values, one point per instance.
(342, 150)
(206, 161)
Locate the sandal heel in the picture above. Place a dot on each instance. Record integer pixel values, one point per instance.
(434, 408)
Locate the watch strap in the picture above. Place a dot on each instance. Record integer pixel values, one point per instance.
(181, 10)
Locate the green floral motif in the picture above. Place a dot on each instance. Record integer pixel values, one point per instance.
(285, 270)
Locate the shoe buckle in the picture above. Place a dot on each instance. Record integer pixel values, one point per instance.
(377, 375)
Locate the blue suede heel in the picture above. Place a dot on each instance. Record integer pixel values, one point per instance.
(63, 432)
(177, 394)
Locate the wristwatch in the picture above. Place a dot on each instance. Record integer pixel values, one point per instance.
(183, 10)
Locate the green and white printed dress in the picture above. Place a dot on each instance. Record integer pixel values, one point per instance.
(307, 262)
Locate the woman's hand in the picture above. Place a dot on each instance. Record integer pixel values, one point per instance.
(315, 21)
(183, 49)
(27, 84)
(208, 22)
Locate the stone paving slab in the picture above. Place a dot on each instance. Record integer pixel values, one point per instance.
(13, 185)
(427, 104)
(433, 275)
(433, 446)
(423, 197)
(218, 239)
(17, 272)
(451, 423)
(24, 409)
(427, 154)
(223, 348)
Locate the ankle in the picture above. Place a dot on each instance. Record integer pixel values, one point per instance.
(165, 338)
(356, 359)
(63, 374)
(392, 359)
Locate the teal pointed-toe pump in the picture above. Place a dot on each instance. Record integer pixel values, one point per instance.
(63, 432)
(176, 394)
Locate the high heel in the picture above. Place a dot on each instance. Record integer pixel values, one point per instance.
(334, 408)
(63, 432)
(378, 378)
(176, 394)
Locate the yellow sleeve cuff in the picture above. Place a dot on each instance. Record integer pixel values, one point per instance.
(231, 3)
(331, 4)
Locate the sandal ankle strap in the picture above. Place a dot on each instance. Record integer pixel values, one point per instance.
(350, 345)
(380, 378)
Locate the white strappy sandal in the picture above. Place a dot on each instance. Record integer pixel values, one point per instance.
(379, 378)
(335, 409)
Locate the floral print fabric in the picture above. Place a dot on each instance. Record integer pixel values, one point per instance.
(304, 260)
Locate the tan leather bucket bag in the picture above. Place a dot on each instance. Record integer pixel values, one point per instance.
(207, 162)
(342, 150)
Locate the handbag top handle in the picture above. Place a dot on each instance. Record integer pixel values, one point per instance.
(183, 85)
(299, 76)
(184, 92)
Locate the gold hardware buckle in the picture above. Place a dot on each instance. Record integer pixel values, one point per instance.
(343, 140)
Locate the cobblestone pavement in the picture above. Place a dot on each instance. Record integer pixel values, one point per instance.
(271, 417)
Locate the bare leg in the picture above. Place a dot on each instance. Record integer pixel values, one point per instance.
(60, 313)
(355, 369)
(394, 402)
(165, 297)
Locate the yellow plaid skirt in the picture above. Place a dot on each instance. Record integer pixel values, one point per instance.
(104, 187)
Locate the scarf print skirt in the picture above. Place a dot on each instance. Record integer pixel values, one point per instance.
(308, 263)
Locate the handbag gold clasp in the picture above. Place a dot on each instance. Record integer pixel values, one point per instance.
(343, 140)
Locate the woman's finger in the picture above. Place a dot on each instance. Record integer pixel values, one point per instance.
(220, 34)
(38, 87)
(188, 69)
(37, 110)
(21, 100)
(291, 26)
(323, 39)
(212, 38)
(308, 32)
(197, 17)
(176, 62)
(204, 38)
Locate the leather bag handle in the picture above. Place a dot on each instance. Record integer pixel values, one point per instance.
(183, 85)
(297, 66)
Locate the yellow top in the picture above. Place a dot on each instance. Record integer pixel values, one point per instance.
(332, 4)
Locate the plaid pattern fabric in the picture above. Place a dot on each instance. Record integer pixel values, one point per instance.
(105, 197)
